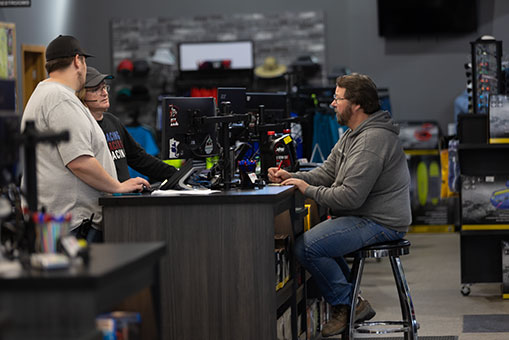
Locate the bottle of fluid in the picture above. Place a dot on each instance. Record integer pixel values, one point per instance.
(267, 158)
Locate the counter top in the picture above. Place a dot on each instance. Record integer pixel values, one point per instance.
(267, 194)
(106, 262)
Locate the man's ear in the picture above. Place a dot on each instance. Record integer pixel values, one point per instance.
(76, 60)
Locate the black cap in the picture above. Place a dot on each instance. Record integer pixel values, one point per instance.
(95, 77)
(64, 46)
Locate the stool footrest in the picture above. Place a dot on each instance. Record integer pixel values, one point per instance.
(407, 324)
(363, 327)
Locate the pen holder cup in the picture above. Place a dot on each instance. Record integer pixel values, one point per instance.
(245, 179)
(247, 174)
(48, 231)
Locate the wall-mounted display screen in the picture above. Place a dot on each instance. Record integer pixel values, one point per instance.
(234, 55)
(417, 17)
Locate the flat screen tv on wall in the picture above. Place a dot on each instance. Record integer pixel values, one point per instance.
(400, 18)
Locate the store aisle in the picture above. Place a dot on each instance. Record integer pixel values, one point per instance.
(433, 273)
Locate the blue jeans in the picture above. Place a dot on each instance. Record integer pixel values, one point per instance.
(320, 250)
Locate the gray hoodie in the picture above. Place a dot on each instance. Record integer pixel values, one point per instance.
(365, 175)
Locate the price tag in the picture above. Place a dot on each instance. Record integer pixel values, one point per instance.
(252, 177)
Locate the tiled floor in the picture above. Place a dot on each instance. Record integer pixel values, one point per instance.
(433, 273)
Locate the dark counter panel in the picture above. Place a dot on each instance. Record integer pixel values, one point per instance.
(218, 278)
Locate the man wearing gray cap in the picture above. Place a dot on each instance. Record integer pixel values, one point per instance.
(71, 175)
(124, 150)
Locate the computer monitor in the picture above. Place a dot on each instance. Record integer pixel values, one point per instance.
(235, 95)
(275, 107)
(215, 55)
(184, 136)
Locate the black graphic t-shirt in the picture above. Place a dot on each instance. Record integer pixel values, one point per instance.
(125, 152)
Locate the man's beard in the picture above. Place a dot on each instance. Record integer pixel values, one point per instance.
(345, 116)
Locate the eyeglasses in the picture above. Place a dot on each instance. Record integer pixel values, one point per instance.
(99, 88)
(337, 99)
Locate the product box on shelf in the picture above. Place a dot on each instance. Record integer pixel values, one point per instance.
(120, 325)
(499, 119)
(284, 325)
(428, 208)
(485, 199)
(282, 249)
(279, 270)
(282, 267)
(419, 135)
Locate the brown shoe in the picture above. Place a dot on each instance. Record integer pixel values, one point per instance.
(337, 322)
(364, 311)
(339, 318)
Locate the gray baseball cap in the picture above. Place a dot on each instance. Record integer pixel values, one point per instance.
(95, 77)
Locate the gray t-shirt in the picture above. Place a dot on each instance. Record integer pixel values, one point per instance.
(54, 106)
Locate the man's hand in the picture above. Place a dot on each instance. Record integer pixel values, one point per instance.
(277, 175)
(133, 185)
(300, 184)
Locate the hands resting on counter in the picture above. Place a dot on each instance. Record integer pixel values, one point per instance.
(277, 175)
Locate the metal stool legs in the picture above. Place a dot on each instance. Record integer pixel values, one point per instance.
(408, 325)
(407, 307)
(356, 273)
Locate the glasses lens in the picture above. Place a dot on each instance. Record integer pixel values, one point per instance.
(100, 88)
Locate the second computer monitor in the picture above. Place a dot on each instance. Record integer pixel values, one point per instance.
(184, 134)
(235, 95)
(275, 106)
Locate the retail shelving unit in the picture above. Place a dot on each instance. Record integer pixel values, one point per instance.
(481, 254)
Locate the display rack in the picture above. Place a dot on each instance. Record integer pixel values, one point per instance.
(481, 254)
(486, 76)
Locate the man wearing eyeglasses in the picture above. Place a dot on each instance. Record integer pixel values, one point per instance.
(124, 150)
(71, 175)
(364, 183)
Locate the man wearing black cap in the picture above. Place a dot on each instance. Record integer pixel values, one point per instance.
(71, 175)
(124, 149)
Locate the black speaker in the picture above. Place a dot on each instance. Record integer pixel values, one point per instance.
(473, 128)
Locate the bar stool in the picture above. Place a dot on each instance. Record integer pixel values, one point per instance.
(408, 324)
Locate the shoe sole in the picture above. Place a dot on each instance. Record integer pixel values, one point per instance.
(368, 315)
(329, 335)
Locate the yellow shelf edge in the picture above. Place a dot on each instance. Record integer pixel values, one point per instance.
(435, 228)
(485, 227)
(421, 152)
(499, 140)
